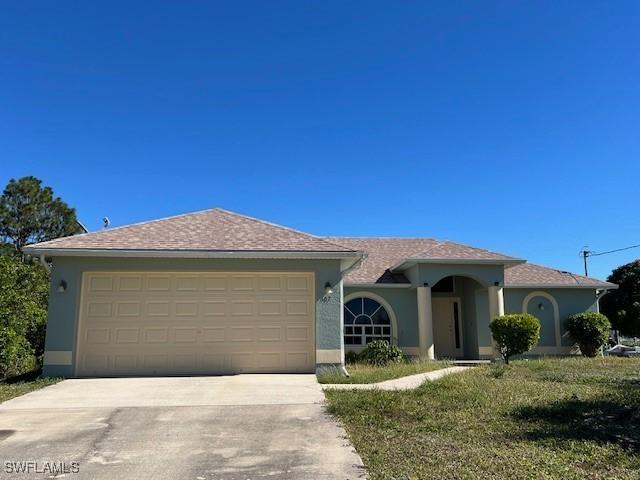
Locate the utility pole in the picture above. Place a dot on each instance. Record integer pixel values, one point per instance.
(585, 254)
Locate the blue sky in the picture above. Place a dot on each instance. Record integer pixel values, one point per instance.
(514, 126)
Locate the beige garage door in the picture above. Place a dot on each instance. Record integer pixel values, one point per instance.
(195, 323)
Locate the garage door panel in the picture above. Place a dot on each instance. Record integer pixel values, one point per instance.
(269, 333)
(214, 308)
(215, 283)
(130, 284)
(156, 335)
(127, 335)
(125, 362)
(269, 307)
(128, 309)
(158, 283)
(270, 360)
(270, 284)
(151, 323)
(298, 283)
(101, 283)
(97, 336)
(213, 363)
(186, 308)
(242, 283)
(213, 334)
(155, 362)
(186, 335)
(241, 334)
(157, 308)
(293, 360)
(99, 309)
(298, 307)
(299, 333)
(242, 308)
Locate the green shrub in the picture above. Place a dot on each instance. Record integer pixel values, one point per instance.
(24, 288)
(515, 334)
(16, 354)
(590, 330)
(381, 352)
(351, 357)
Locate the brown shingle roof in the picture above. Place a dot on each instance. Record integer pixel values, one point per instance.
(381, 255)
(384, 253)
(209, 230)
(449, 250)
(221, 230)
(532, 275)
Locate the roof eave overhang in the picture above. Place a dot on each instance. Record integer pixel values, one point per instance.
(133, 253)
(410, 262)
(377, 285)
(561, 285)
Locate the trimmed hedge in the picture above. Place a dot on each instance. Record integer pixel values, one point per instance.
(590, 330)
(515, 334)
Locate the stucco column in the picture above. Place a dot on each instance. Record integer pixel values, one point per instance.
(425, 322)
(496, 302)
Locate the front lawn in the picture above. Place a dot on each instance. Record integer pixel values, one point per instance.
(569, 418)
(365, 373)
(15, 388)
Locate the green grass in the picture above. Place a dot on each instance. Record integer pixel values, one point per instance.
(365, 373)
(569, 418)
(15, 388)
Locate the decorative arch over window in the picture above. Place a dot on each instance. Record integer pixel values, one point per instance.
(367, 317)
(556, 310)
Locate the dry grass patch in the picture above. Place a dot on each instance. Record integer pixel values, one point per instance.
(15, 388)
(568, 418)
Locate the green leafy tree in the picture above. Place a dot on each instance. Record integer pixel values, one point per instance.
(589, 330)
(23, 313)
(622, 306)
(515, 334)
(29, 213)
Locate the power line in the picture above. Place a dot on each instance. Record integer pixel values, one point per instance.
(594, 254)
(584, 253)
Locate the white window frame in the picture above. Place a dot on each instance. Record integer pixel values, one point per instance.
(387, 307)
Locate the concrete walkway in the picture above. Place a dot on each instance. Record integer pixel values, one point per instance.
(402, 383)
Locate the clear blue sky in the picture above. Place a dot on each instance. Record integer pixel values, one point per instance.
(513, 126)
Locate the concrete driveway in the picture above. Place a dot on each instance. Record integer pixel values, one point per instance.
(233, 427)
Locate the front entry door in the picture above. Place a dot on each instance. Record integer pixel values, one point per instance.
(447, 327)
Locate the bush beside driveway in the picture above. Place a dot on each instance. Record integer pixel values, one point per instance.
(550, 418)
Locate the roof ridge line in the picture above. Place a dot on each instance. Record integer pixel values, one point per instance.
(284, 227)
(381, 238)
(466, 245)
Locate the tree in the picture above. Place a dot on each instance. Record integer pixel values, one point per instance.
(29, 213)
(589, 330)
(515, 334)
(622, 306)
(23, 314)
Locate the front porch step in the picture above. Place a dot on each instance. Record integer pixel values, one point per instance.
(471, 363)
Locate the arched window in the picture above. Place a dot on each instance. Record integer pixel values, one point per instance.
(365, 320)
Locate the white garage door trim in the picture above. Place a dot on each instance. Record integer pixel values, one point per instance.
(234, 322)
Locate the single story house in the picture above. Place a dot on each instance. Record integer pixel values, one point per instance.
(216, 292)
